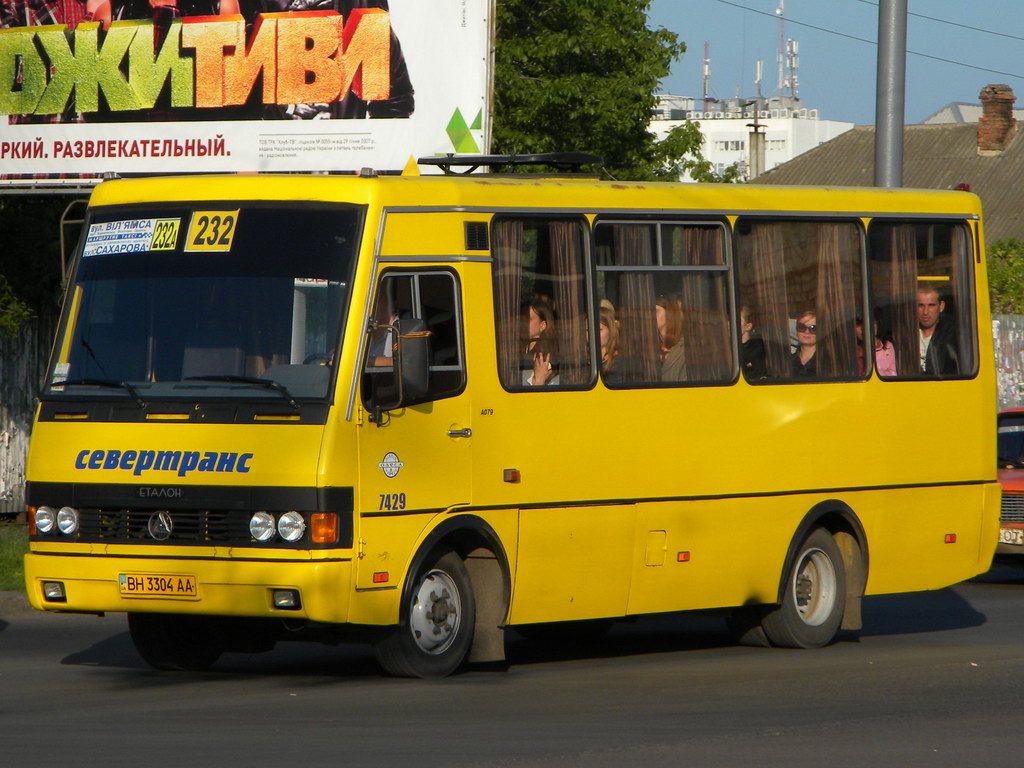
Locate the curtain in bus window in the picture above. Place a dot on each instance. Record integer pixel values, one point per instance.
(638, 360)
(837, 277)
(962, 288)
(507, 248)
(706, 334)
(767, 293)
(902, 298)
(570, 301)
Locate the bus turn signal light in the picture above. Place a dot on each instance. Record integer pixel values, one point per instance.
(951, 538)
(381, 577)
(683, 557)
(323, 527)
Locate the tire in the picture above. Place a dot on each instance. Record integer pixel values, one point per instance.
(437, 630)
(175, 643)
(814, 596)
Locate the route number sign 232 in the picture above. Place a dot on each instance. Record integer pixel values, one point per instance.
(211, 231)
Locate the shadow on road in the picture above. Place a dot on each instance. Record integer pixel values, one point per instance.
(919, 612)
(916, 612)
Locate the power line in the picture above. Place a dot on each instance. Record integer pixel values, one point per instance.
(951, 23)
(871, 42)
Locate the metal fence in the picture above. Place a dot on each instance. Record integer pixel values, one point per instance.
(23, 360)
(22, 363)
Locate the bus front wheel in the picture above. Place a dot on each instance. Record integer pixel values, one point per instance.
(176, 643)
(814, 596)
(440, 614)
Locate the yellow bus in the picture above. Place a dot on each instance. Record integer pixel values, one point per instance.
(418, 410)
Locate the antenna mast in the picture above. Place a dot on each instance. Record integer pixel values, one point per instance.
(707, 73)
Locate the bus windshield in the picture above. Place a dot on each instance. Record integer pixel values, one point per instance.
(198, 304)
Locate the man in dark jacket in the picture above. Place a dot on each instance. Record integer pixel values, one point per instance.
(937, 334)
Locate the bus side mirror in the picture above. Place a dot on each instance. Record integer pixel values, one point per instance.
(408, 381)
(413, 359)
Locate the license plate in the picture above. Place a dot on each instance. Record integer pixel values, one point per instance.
(1011, 536)
(158, 585)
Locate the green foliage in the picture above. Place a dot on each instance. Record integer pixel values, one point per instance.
(13, 546)
(681, 152)
(29, 258)
(13, 311)
(1006, 276)
(581, 75)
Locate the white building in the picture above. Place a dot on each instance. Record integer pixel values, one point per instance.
(789, 128)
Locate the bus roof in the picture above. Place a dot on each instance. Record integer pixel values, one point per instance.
(486, 192)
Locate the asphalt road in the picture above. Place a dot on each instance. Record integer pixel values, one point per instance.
(934, 679)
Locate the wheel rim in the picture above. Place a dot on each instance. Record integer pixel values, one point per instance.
(436, 612)
(814, 587)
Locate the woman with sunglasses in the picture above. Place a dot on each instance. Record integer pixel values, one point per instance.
(802, 363)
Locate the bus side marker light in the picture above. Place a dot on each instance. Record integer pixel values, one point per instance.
(683, 557)
(951, 538)
(381, 577)
(323, 527)
(512, 476)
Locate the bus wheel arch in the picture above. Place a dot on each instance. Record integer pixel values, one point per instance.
(461, 555)
(825, 565)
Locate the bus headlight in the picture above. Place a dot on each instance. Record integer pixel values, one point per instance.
(67, 520)
(291, 526)
(261, 526)
(45, 519)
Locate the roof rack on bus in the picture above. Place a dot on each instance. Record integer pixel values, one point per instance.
(566, 162)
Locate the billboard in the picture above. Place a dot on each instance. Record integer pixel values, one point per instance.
(89, 87)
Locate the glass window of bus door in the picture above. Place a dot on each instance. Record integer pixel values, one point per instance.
(432, 297)
(803, 280)
(664, 288)
(922, 278)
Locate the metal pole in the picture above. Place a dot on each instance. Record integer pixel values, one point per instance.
(890, 95)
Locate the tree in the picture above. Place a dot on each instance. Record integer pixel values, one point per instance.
(29, 258)
(581, 75)
(1006, 276)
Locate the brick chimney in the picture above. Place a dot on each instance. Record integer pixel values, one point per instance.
(997, 124)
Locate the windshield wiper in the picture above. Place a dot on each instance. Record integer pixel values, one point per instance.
(253, 381)
(109, 383)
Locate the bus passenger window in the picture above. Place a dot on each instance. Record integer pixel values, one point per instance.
(402, 298)
(542, 303)
(664, 286)
(802, 282)
(921, 290)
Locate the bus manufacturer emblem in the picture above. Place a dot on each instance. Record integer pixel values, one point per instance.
(391, 464)
(160, 525)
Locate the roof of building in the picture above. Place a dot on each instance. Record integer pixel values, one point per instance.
(962, 112)
(938, 156)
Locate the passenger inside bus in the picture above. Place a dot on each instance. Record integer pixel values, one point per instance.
(539, 367)
(752, 349)
(609, 330)
(804, 365)
(936, 333)
(669, 314)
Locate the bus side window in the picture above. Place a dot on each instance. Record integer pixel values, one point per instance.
(922, 292)
(803, 281)
(542, 303)
(402, 296)
(665, 286)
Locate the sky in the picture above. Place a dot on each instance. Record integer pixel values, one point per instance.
(954, 49)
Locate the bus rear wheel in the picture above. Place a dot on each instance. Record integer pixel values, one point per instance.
(175, 643)
(438, 630)
(814, 596)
